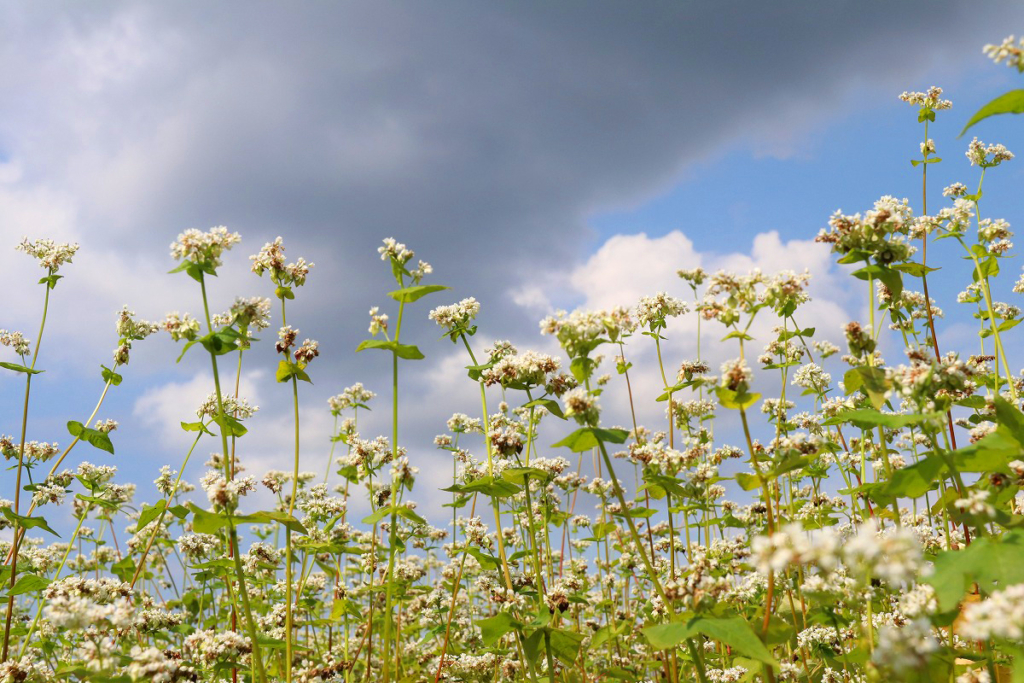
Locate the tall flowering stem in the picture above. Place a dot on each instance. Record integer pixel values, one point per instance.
(51, 257)
(398, 256)
(286, 277)
(200, 255)
(17, 486)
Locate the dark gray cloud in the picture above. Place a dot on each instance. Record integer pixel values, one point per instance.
(482, 134)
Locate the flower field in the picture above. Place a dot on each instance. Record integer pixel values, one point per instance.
(864, 522)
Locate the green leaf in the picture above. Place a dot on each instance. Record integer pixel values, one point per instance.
(409, 294)
(909, 482)
(379, 514)
(866, 418)
(406, 351)
(1007, 103)
(124, 568)
(50, 280)
(489, 486)
(991, 562)
(565, 645)
(196, 427)
(602, 529)
(267, 516)
(195, 270)
(607, 632)
(185, 348)
(533, 646)
(409, 514)
(111, 376)
(735, 632)
(206, 522)
(148, 514)
(518, 475)
(287, 369)
(582, 368)
(668, 484)
(1010, 416)
(748, 482)
(219, 343)
(586, 438)
(976, 402)
(871, 381)
(230, 426)
(19, 368)
(915, 269)
(890, 278)
(991, 453)
(665, 636)
(550, 404)
(738, 634)
(28, 583)
(486, 561)
(732, 400)
(26, 522)
(92, 436)
(988, 266)
(493, 628)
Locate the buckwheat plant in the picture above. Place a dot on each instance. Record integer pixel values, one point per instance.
(823, 505)
(296, 357)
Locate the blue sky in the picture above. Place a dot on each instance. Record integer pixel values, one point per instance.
(517, 147)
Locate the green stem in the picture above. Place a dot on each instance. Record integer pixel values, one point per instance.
(393, 531)
(232, 532)
(17, 489)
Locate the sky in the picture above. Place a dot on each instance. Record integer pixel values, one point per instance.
(539, 155)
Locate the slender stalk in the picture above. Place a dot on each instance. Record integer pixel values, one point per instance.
(17, 489)
(393, 531)
(289, 547)
(232, 531)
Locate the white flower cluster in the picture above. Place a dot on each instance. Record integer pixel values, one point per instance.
(892, 555)
(791, 546)
(395, 250)
(378, 321)
(223, 494)
(529, 368)
(655, 309)
(1000, 615)
(582, 406)
(51, 255)
(987, 156)
(456, 315)
(204, 247)
(1009, 51)
(235, 407)
(813, 377)
(350, 398)
(181, 326)
(253, 313)
(578, 331)
(906, 648)
(735, 375)
(271, 259)
(931, 99)
(155, 666)
(15, 340)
